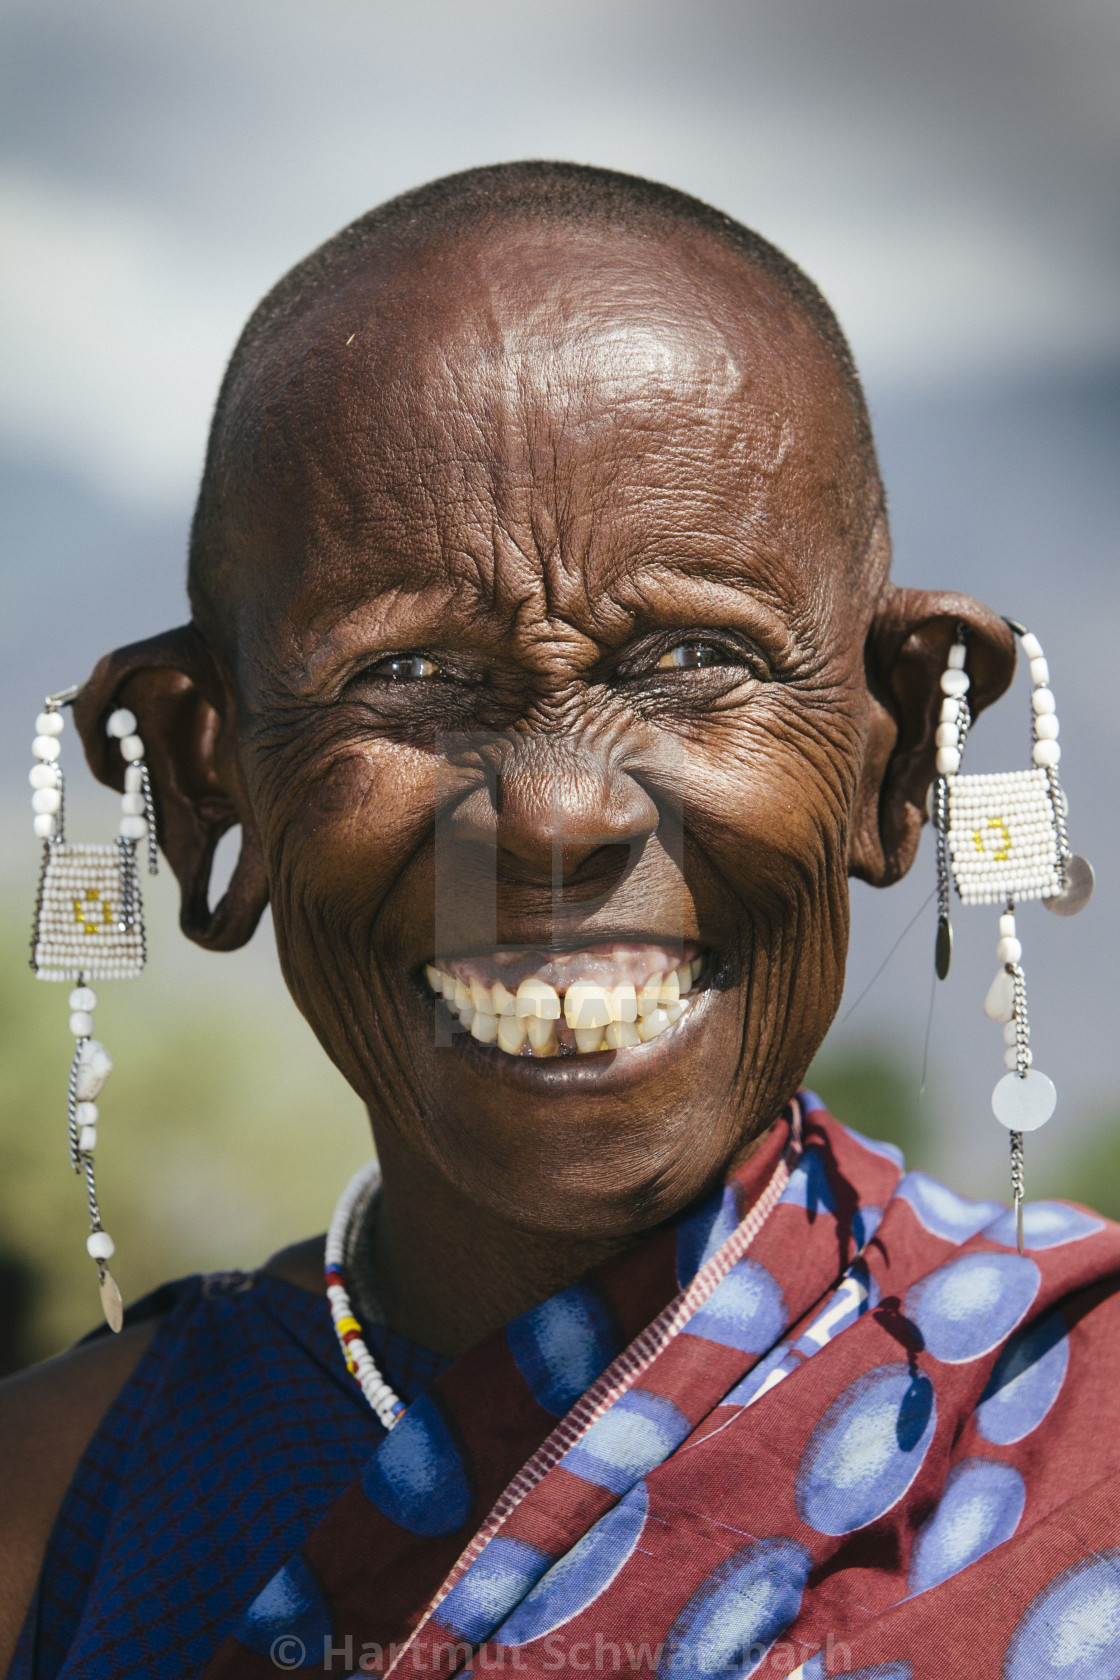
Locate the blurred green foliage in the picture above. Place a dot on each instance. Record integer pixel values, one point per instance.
(1092, 1175)
(224, 1134)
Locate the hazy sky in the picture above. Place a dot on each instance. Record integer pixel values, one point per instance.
(947, 171)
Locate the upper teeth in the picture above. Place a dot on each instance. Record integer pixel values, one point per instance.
(540, 1020)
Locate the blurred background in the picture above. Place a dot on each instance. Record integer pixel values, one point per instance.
(949, 175)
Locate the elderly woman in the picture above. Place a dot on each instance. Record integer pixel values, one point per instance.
(543, 648)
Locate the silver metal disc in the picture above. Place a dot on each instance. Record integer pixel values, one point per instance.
(1078, 893)
(1023, 1105)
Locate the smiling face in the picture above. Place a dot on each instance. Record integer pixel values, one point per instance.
(548, 606)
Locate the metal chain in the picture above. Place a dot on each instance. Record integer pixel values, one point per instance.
(150, 818)
(1018, 1188)
(72, 1106)
(1022, 1021)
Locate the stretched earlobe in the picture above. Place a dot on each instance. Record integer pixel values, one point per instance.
(188, 720)
(907, 649)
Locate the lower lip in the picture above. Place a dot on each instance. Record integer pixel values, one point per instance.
(616, 1068)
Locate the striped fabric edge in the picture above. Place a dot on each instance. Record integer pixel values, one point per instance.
(621, 1374)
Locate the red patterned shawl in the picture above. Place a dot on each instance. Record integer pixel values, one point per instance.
(830, 1422)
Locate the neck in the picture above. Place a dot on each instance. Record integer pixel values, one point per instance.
(447, 1272)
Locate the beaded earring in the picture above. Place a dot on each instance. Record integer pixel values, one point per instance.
(1003, 839)
(89, 925)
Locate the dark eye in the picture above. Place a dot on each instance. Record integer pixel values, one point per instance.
(404, 668)
(695, 656)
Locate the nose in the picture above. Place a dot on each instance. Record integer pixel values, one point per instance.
(559, 815)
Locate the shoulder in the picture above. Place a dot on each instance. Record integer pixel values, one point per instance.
(49, 1415)
(301, 1264)
(47, 1418)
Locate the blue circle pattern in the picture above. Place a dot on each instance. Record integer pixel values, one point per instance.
(562, 1346)
(866, 1450)
(1045, 1225)
(865, 1222)
(582, 1575)
(492, 1587)
(731, 1621)
(639, 1432)
(416, 1477)
(967, 1307)
(844, 1306)
(942, 1212)
(808, 1186)
(291, 1606)
(1025, 1381)
(704, 1232)
(1071, 1630)
(980, 1508)
(746, 1310)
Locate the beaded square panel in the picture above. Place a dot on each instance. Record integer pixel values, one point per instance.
(88, 921)
(1003, 839)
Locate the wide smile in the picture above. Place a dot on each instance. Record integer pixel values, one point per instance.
(612, 996)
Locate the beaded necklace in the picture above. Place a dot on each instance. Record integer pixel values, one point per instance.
(353, 1205)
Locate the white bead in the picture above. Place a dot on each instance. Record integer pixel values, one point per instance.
(132, 804)
(947, 735)
(1008, 950)
(49, 723)
(1022, 1105)
(1010, 1033)
(1031, 645)
(87, 1139)
(46, 799)
(956, 656)
(46, 748)
(85, 1114)
(1046, 726)
(955, 683)
(999, 1005)
(1046, 753)
(1011, 1058)
(94, 1068)
(950, 709)
(948, 761)
(1040, 671)
(1007, 925)
(100, 1245)
(43, 776)
(132, 748)
(81, 1023)
(132, 828)
(122, 722)
(133, 779)
(1042, 699)
(44, 825)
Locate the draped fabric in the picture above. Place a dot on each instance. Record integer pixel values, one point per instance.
(832, 1421)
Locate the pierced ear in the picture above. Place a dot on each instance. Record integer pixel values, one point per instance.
(907, 650)
(186, 718)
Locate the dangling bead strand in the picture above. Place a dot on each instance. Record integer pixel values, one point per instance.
(46, 775)
(138, 820)
(352, 1206)
(952, 733)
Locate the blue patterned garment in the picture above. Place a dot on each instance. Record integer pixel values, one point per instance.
(237, 1430)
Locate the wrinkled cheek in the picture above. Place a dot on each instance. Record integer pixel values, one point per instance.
(337, 848)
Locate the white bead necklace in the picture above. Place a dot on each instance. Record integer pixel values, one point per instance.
(353, 1205)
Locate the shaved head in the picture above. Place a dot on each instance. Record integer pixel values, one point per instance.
(669, 290)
